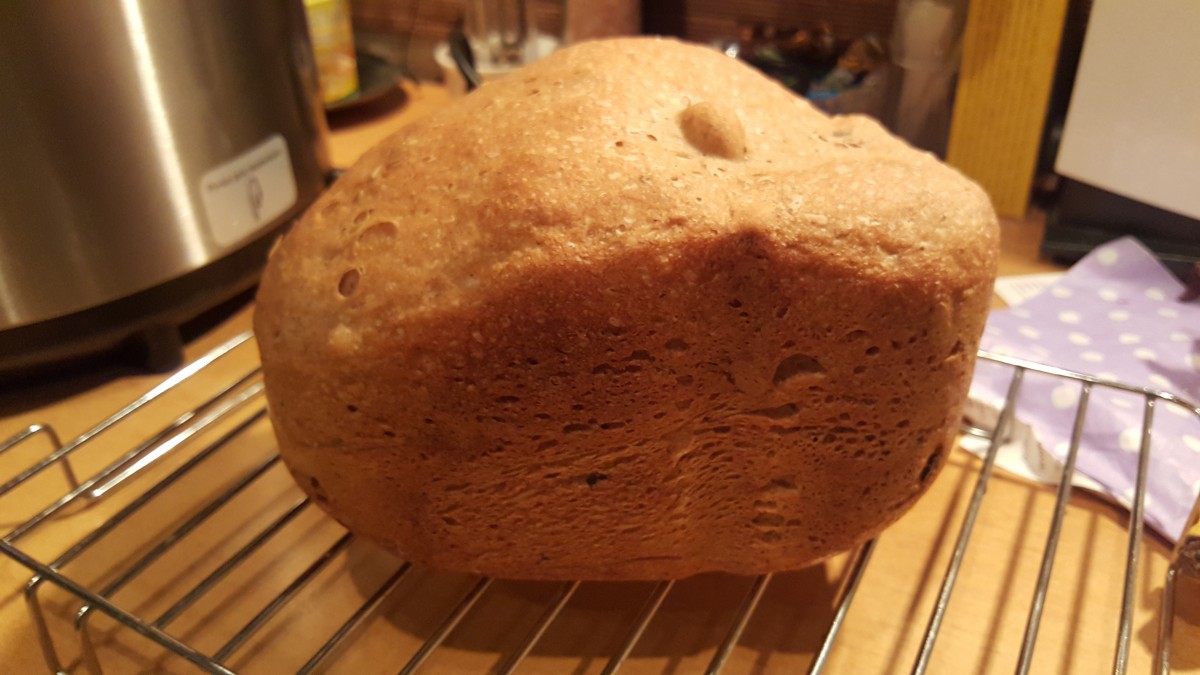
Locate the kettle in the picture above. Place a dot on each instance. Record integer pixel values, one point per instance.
(152, 150)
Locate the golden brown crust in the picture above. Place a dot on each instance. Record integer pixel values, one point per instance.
(632, 312)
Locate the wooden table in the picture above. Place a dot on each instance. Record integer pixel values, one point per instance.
(981, 634)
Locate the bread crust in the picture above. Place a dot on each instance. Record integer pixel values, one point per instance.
(632, 312)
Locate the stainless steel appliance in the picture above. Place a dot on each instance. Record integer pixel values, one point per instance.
(149, 151)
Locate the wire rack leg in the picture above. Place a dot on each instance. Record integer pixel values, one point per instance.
(1136, 524)
(48, 431)
(1060, 512)
(649, 609)
(1166, 624)
(88, 648)
(157, 391)
(849, 587)
(964, 535)
(34, 605)
(141, 564)
(120, 615)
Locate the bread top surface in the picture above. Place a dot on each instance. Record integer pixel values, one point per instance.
(603, 148)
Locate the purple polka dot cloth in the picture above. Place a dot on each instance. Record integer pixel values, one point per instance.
(1114, 315)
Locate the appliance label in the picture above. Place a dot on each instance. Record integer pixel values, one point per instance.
(248, 191)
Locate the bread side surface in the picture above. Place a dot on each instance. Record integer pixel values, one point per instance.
(632, 312)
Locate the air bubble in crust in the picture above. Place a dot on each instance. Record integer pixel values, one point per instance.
(348, 284)
(797, 364)
(384, 230)
(677, 345)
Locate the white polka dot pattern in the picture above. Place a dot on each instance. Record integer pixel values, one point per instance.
(1130, 439)
(1121, 402)
(1177, 410)
(1113, 315)
(1065, 395)
(1159, 381)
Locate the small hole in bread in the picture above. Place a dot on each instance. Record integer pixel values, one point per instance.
(797, 364)
(652, 137)
(379, 232)
(348, 283)
(780, 412)
(329, 210)
(768, 519)
(352, 408)
(931, 463)
(872, 351)
(677, 345)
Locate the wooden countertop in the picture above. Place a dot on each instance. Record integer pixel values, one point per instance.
(982, 632)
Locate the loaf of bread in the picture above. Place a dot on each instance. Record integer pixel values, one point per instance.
(632, 312)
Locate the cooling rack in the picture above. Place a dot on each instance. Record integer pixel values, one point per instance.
(220, 448)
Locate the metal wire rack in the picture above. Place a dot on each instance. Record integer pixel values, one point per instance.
(154, 465)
